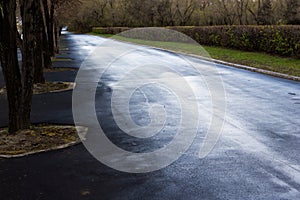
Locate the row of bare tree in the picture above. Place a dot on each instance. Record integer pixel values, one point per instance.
(185, 12)
(37, 38)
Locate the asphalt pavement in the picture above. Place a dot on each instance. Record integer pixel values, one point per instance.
(256, 157)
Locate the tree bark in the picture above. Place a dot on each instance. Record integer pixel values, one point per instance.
(28, 57)
(56, 36)
(46, 45)
(19, 83)
(10, 66)
(51, 30)
(39, 60)
(38, 56)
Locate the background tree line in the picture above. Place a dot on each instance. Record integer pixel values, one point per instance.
(137, 13)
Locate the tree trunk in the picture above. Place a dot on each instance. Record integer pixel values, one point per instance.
(38, 60)
(46, 45)
(56, 37)
(46, 52)
(30, 27)
(38, 56)
(51, 30)
(10, 66)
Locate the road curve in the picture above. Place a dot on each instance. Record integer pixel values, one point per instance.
(256, 156)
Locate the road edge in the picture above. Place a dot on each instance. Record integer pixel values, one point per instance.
(239, 66)
(64, 146)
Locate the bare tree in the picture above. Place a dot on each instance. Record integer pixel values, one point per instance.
(9, 63)
(265, 15)
(165, 15)
(241, 9)
(292, 12)
(184, 11)
(19, 84)
(187, 12)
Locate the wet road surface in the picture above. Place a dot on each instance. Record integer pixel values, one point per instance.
(256, 157)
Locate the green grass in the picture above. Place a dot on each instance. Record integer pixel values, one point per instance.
(259, 60)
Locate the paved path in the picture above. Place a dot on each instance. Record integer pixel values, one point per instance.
(257, 156)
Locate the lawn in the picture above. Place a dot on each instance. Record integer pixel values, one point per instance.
(285, 65)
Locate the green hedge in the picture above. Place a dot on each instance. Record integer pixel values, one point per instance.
(110, 30)
(279, 40)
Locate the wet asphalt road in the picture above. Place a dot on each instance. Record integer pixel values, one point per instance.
(256, 157)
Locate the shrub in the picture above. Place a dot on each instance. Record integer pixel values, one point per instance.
(110, 30)
(279, 40)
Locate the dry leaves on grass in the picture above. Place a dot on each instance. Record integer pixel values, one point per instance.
(59, 69)
(38, 138)
(41, 88)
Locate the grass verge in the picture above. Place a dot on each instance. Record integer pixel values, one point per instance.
(36, 139)
(285, 65)
(41, 88)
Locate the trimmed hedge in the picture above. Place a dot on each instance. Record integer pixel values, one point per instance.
(279, 40)
(110, 30)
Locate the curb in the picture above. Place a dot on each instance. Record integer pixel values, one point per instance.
(71, 86)
(64, 146)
